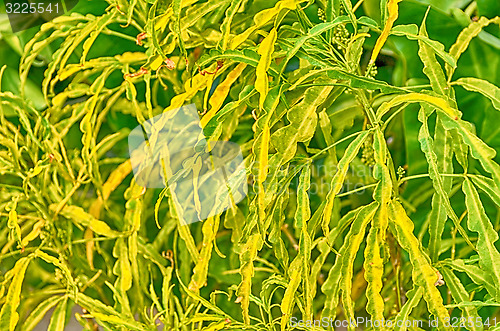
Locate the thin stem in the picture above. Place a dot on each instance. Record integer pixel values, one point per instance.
(372, 118)
(335, 144)
(110, 32)
(324, 84)
(404, 179)
(290, 237)
(357, 5)
(393, 115)
(356, 190)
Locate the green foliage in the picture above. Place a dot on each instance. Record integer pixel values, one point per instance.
(369, 134)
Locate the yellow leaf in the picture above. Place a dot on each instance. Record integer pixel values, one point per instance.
(265, 51)
(131, 57)
(392, 7)
(191, 87)
(248, 255)
(37, 228)
(263, 161)
(78, 215)
(215, 326)
(35, 171)
(221, 93)
(157, 62)
(116, 177)
(13, 222)
(122, 266)
(200, 271)
(9, 315)
(162, 21)
(290, 292)
(59, 99)
(424, 274)
(68, 71)
(102, 228)
(262, 18)
(419, 97)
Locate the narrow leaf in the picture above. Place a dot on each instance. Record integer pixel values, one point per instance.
(427, 146)
(482, 86)
(339, 177)
(392, 6)
(58, 319)
(460, 295)
(266, 50)
(477, 221)
(9, 315)
(423, 273)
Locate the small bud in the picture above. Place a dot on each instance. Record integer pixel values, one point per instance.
(170, 64)
(140, 37)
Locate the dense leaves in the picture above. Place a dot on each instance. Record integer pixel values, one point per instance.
(369, 137)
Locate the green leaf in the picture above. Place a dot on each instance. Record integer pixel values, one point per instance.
(120, 321)
(246, 55)
(477, 275)
(432, 68)
(176, 25)
(39, 312)
(410, 31)
(58, 319)
(482, 86)
(477, 221)
(427, 144)
(460, 295)
(339, 177)
(460, 149)
(266, 50)
(464, 39)
(356, 81)
(106, 313)
(101, 25)
(9, 315)
(468, 304)
(303, 120)
(479, 150)
(315, 31)
(247, 256)
(340, 275)
(423, 274)
(442, 147)
(487, 185)
(413, 299)
(225, 27)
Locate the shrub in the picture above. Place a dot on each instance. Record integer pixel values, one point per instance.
(370, 149)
